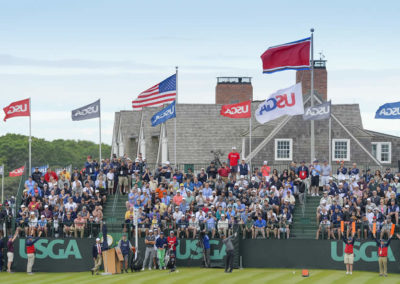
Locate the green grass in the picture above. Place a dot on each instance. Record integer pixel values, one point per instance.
(197, 276)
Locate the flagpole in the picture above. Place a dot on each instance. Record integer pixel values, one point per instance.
(99, 133)
(176, 100)
(312, 96)
(30, 138)
(2, 186)
(140, 134)
(250, 141)
(330, 139)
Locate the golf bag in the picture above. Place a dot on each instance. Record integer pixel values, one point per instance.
(170, 260)
(136, 262)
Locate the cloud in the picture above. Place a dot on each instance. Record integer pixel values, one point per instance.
(10, 60)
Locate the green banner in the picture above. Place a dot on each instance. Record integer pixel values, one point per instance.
(318, 254)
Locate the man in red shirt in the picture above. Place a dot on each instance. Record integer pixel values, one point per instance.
(50, 173)
(266, 170)
(234, 158)
(224, 172)
(382, 254)
(348, 253)
(172, 243)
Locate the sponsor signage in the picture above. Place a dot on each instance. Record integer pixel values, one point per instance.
(17, 172)
(389, 111)
(19, 108)
(319, 112)
(239, 110)
(164, 114)
(287, 101)
(87, 112)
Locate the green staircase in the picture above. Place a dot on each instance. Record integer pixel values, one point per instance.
(114, 212)
(304, 219)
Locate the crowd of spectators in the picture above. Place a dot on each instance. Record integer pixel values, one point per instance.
(63, 204)
(369, 200)
(219, 200)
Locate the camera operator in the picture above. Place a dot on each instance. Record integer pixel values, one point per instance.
(206, 248)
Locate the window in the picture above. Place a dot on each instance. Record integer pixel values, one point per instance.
(283, 149)
(341, 149)
(382, 151)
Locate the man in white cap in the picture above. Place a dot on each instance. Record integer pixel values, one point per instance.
(234, 158)
(97, 257)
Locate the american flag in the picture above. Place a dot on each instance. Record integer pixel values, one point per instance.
(157, 95)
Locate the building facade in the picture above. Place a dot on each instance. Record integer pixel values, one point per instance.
(201, 129)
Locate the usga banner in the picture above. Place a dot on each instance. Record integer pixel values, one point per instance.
(239, 110)
(287, 101)
(86, 112)
(164, 114)
(389, 111)
(319, 112)
(17, 172)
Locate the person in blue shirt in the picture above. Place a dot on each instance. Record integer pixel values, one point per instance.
(30, 183)
(259, 226)
(161, 244)
(315, 173)
(206, 249)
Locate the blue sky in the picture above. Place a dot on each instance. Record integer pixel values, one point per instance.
(65, 54)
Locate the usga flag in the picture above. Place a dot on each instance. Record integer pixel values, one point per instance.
(17, 172)
(164, 114)
(287, 101)
(389, 111)
(239, 110)
(288, 56)
(19, 108)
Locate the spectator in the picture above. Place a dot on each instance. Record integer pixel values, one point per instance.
(233, 158)
(50, 174)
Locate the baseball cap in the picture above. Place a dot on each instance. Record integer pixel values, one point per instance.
(265, 162)
(233, 147)
(253, 178)
(97, 239)
(181, 184)
(242, 176)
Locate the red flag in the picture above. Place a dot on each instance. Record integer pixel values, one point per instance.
(239, 110)
(19, 108)
(17, 172)
(289, 56)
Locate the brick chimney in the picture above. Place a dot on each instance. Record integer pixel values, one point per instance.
(230, 90)
(320, 79)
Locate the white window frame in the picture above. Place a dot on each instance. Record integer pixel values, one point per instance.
(290, 149)
(348, 149)
(379, 151)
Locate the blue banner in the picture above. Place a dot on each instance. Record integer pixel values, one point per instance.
(389, 111)
(164, 114)
(42, 169)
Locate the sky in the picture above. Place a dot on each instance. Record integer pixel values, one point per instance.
(66, 54)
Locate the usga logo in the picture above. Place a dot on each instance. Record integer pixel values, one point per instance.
(17, 108)
(366, 252)
(390, 111)
(318, 110)
(55, 249)
(89, 110)
(279, 101)
(237, 110)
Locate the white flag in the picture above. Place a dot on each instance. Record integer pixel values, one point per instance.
(287, 101)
